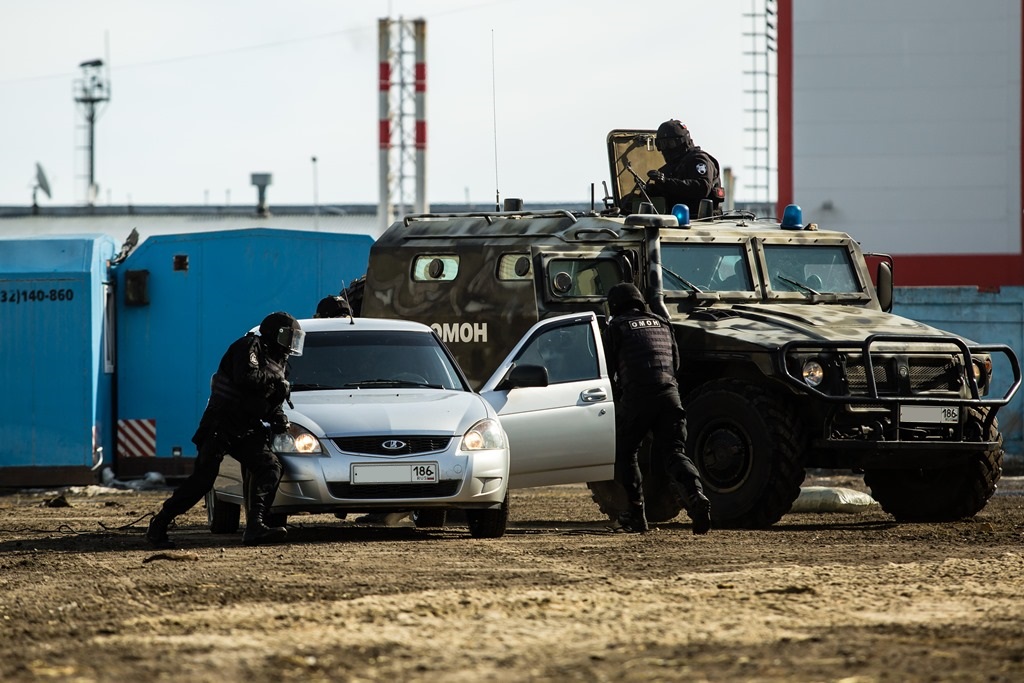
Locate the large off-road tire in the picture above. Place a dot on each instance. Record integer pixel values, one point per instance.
(222, 517)
(747, 445)
(661, 501)
(945, 494)
(488, 523)
(354, 294)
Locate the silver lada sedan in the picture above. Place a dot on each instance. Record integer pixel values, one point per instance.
(382, 419)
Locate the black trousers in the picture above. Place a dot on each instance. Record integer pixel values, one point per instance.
(660, 413)
(251, 449)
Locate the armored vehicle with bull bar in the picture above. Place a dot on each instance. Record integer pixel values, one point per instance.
(792, 358)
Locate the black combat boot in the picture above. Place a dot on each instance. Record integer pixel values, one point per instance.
(156, 534)
(699, 508)
(632, 520)
(256, 530)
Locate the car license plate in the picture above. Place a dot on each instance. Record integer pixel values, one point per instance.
(415, 473)
(930, 414)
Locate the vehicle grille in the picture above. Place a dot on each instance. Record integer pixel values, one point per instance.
(374, 445)
(442, 489)
(926, 373)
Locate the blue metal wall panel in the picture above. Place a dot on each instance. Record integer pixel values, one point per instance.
(56, 388)
(984, 317)
(170, 347)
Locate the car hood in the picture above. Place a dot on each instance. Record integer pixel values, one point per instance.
(364, 412)
(775, 324)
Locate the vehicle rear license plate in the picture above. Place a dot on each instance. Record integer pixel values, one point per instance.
(930, 414)
(415, 473)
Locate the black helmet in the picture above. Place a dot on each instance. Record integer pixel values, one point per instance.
(624, 297)
(282, 333)
(673, 135)
(335, 306)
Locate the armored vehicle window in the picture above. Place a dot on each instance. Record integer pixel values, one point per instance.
(583, 277)
(568, 353)
(823, 269)
(711, 267)
(433, 267)
(515, 267)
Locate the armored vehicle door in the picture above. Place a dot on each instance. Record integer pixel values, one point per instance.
(631, 154)
(561, 430)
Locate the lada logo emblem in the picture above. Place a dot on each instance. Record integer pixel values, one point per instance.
(393, 444)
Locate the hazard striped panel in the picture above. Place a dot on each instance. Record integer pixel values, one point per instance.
(136, 438)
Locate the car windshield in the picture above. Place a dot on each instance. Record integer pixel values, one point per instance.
(708, 267)
(810, 269)
(368, 359)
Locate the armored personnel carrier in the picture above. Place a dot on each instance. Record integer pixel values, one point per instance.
(792, 357)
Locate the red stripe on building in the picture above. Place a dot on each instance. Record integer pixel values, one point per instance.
(385, 134)
(784, 95)
(136, 438)
(384, 76)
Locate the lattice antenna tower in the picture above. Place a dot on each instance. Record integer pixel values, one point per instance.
(759, 127)
(91, 92)
(403, 123)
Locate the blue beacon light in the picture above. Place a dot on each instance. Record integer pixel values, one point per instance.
(682, 214)
(792, 218)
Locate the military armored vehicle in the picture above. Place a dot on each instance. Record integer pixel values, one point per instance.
(792, 358)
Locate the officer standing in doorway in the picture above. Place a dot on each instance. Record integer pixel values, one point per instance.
(644, 358)
(241, 418)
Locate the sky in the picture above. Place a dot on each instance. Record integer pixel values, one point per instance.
(520, 95)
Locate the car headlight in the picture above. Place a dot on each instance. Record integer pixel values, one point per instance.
(484, 435)
(813, 373)
(297, 441)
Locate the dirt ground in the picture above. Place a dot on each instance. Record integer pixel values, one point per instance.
(819, 597)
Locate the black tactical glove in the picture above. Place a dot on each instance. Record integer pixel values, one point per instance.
(657, 177)
(279, 424)
(280, 391)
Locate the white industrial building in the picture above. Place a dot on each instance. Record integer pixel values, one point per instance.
(900, 123)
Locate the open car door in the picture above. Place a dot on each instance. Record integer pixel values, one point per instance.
(563, 432)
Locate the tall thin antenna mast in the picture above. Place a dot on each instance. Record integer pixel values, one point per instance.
(494, 109)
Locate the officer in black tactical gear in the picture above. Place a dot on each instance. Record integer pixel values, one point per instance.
(644, 359)
(334, 306)
(243, 413)
(689, 175)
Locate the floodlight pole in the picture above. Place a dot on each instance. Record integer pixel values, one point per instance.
(91, 91)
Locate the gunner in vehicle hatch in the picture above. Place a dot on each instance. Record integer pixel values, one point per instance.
(689, 175)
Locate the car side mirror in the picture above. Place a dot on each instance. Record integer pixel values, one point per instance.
(525, 376)
(884, 288)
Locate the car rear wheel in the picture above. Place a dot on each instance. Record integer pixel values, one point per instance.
(661, 502)
(488, 523)
(429, 518)
(944, 494)
(223, 517)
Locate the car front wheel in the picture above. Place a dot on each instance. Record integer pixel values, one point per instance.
(223, 517)
(488, 523)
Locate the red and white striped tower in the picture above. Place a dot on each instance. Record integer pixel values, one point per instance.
(403, 122)
(420, 33)
(384, 212)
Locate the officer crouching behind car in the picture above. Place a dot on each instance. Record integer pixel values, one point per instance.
(241, 417)
(644, 358)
